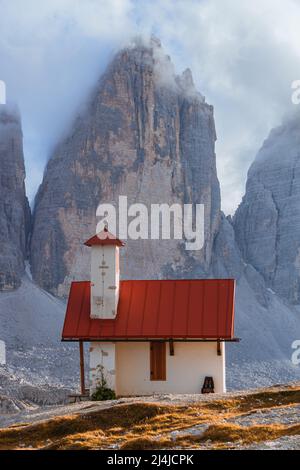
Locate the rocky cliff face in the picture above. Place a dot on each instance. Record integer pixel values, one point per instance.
(147, 134)
(14, 208)
(267, 223)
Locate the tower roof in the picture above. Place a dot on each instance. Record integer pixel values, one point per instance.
(104, 238)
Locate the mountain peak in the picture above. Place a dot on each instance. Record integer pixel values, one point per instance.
(149, 53)
(143, 126)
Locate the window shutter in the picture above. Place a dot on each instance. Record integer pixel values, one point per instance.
(157, 360)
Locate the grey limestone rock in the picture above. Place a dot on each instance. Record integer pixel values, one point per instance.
(267, 222)
(14, 207)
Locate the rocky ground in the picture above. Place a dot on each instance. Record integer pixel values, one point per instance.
(261, 419)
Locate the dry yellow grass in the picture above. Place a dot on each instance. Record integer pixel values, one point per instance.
(246, 435)
(217, 434)
(146, 425)
(146, 443)
(121, 417)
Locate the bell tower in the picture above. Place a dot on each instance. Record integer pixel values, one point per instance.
(105, 274)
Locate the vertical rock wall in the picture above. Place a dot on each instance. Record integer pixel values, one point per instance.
(14, 208)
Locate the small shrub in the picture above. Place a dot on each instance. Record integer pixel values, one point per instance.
(103, 392)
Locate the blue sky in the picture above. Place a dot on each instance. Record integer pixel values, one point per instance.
(243, 55)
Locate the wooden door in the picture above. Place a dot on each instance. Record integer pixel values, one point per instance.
(157, 360)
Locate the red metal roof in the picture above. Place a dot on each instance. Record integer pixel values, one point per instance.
(104, 238)
(184, 309)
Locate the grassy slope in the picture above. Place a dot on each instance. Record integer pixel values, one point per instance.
(147, 425)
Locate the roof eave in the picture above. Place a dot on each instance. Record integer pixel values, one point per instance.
(152, 338)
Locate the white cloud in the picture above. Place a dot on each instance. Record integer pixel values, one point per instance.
(244, 56)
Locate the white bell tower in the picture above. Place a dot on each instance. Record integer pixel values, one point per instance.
(105, 274)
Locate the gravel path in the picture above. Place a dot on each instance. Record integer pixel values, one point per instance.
(37, 414)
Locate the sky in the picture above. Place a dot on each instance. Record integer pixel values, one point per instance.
(244, 56)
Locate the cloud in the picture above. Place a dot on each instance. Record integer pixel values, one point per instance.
(244, 56)
(51, 54)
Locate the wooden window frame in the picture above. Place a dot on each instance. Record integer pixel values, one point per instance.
(158, 361)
